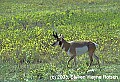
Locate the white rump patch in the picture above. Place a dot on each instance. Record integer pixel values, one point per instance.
(81, 50)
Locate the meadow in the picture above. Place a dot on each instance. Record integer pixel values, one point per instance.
(26, 28)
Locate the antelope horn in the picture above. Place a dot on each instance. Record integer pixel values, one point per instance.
(55, 35)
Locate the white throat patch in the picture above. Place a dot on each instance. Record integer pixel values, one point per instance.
(63, 48)
(57, 43)
(62, 45)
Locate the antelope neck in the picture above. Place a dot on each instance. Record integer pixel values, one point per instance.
(65, 45)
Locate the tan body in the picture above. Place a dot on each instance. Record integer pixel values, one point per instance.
(77, 48)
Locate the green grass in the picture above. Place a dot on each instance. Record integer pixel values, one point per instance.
(26, 28)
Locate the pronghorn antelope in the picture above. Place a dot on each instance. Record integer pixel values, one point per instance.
(76, 48)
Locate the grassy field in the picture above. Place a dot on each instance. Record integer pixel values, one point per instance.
(26, 28)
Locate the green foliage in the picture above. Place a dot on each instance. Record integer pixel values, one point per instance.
(26, 28)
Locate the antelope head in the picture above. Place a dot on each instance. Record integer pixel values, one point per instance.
(58, 39)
